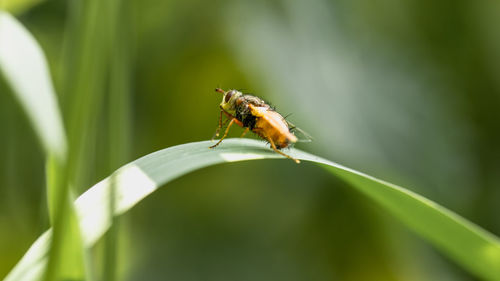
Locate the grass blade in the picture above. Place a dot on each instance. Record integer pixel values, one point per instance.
(23, 64)
(472, 247)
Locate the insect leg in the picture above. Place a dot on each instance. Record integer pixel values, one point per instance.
(216, 134)
(225, 133)
(239, 123)
(244, 132)
(219, 127)
(281, 152)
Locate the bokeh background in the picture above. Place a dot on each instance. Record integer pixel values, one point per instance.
(407, 91)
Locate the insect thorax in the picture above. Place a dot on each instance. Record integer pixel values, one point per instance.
(243, 112)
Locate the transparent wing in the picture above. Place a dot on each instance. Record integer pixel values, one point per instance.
(301, 135)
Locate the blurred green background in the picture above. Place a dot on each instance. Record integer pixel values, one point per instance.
(407, 91)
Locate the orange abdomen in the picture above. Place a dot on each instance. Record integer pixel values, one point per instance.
(272, 125)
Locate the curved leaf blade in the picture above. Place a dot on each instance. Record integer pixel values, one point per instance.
(25, 68)
(23, 64)
(474, 248)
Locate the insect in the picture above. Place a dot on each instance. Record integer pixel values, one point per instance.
(254, 114)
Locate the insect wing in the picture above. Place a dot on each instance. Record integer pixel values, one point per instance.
(301, 135)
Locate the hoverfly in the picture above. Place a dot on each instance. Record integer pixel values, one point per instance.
(254, 114)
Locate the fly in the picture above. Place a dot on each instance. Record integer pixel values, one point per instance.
(254, 114)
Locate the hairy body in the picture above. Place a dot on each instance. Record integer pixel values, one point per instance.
(253, 113)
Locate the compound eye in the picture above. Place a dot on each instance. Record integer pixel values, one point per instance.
(228, 96)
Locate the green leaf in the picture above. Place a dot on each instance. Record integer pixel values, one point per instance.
(18, 6)
(23, 64)
(472, 247)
